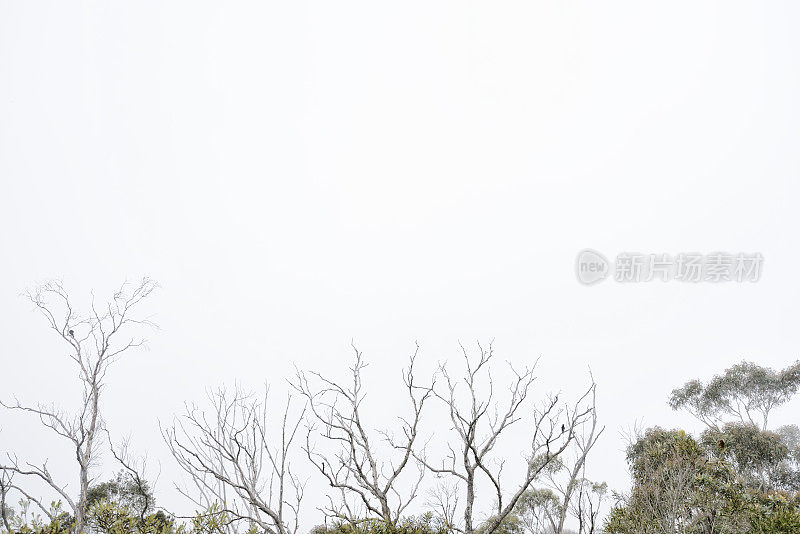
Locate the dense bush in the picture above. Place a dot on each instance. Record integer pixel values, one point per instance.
(682, 485)
(423, 524)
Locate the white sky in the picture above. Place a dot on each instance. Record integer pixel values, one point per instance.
(297, 175)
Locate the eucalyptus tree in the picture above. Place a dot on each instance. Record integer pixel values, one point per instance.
(746, 392)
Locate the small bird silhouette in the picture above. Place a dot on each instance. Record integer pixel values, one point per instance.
(721, 444)
(72, 333)
(562, 428)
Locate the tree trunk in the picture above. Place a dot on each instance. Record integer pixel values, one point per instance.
(468, 529)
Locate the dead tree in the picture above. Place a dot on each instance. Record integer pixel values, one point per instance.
(478, 423)
(365, 479)
(566, 475)
(95, 341)
(237, 464)
(443, 501)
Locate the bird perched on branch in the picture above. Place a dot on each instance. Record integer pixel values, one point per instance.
(721, 444)
(72, 333)
(563, 428)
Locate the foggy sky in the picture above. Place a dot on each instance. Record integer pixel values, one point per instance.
(297, 175)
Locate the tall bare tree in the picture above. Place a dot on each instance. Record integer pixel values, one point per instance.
(566, 474)
(95, 340)
(237, 464)
(358, 470)
(478, 423)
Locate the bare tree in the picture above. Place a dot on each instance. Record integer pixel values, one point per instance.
(95, 340)
(478, 422)
(565, 474)
(356, 470)
(234, 462)
(443, 500)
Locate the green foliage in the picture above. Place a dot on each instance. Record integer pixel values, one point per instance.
(110, 517)
(511, 524)
(7, 514)
(761, 457)
(211, 521)
(660, 450)
(538, 510)
(125, 505)
(682, 485)
(422, 524)
(28, 522)
(774, 512)
(790, 436)
(737, 478)
(125, 490)
(677, 487)
(744, 391)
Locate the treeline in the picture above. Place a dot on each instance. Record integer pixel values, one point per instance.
(241, 451)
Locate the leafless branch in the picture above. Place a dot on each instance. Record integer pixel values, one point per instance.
(94, 342)
(357, 470)
(478, 420)
(234, 460)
